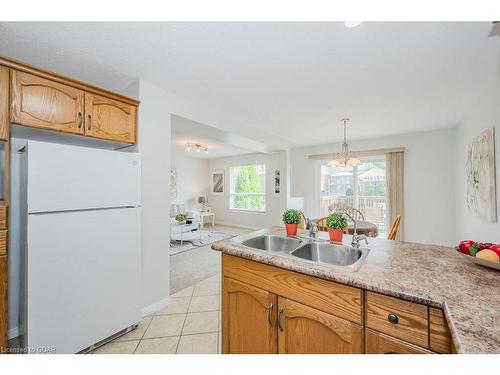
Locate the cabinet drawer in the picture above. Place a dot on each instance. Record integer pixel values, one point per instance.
(337, 299)
(3, 242)
(402, 319)
(378, 343)
(3, 217)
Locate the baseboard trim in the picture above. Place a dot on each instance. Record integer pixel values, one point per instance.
(13, 332)
(155, 306)
(236, 225)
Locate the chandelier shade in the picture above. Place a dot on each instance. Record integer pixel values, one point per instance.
(345, 158)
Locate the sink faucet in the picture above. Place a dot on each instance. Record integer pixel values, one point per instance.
(313, 228)
(355, 236)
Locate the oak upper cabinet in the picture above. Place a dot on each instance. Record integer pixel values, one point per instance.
(4, 103)
(378, 343)
(248, 319)
(305, 330)
(46, 104)
(109, 119)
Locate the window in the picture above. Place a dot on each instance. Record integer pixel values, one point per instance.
(362, 187)
(248, 188)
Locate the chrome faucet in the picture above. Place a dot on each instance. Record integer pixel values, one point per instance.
(355, 236)
(313, 229)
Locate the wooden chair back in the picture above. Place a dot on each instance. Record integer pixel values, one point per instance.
(394, 228)
(321, 224)
(303, 222)
(355, 213)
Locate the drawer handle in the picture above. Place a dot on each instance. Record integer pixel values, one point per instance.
(80, 119)
(393, 318)
(270, 314)
(280, 314)
(90, 121)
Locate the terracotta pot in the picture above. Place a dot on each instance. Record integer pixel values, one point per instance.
(291, 229)
(335, 235)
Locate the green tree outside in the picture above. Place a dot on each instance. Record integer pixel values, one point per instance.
(247, 181)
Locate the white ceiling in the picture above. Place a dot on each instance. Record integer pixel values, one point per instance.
(293, 80)
(219, 143)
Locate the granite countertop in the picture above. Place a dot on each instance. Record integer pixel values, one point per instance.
(434, 275)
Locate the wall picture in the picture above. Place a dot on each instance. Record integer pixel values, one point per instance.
(480, 172)
(277, 182)
(218, 182)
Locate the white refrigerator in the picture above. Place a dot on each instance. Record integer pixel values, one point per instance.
(82, 244)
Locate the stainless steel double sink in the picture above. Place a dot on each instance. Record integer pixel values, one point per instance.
(311, 250)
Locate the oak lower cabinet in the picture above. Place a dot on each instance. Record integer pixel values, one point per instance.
(42, 103)
(379, 343)
(3, 303)
(305, 330)
(248, 319)
(109, 119)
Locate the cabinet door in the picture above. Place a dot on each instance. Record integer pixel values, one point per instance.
(248, 319)
(42, 103)
(378, 343)
(109, 119)
(3, 304)
(4, 103)
(305, 330)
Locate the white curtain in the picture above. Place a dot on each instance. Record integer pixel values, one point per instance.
(395, 189)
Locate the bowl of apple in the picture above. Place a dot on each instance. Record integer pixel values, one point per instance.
(483, 253)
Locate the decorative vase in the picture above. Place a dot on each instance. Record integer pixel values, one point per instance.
(335, 235)
(291, 229)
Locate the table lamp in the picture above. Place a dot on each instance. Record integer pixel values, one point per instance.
(202, 199)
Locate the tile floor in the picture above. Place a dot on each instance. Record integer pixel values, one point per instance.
(190, 324)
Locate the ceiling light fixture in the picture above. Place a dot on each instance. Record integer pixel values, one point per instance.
(345, 158)
(196, 146)
(351, 24)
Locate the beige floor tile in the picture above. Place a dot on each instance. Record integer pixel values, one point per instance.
(165, 325)
(177, 305)
(204, 303)
(211, 280)
(186, 292)
(137, 333)
(125, 347)
(163, 345)
(202, 322)
(206, 290)
(198, 344)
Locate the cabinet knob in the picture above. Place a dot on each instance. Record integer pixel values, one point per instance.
(393, 318)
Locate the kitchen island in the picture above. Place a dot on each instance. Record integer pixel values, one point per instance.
(405, 296)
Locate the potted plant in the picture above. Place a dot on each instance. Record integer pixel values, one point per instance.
(336, 224)
(292, 219)
(181, 218)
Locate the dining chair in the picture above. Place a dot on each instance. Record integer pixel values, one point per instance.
(394, 228)
(303, 222)
(320, 223)
(355, 213)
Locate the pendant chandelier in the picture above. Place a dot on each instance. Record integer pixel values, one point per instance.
(345, 158)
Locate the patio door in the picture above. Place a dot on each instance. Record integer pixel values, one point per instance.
(362, 187)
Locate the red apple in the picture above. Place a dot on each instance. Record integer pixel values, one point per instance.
(484, 245)
(465, 246)
(496, 249)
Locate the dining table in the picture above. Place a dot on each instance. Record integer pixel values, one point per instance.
(367, 228)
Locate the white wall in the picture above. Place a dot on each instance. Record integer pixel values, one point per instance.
(191, 178)
(484, 114)
(429, 181)
(274, 205)
(154, 146)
